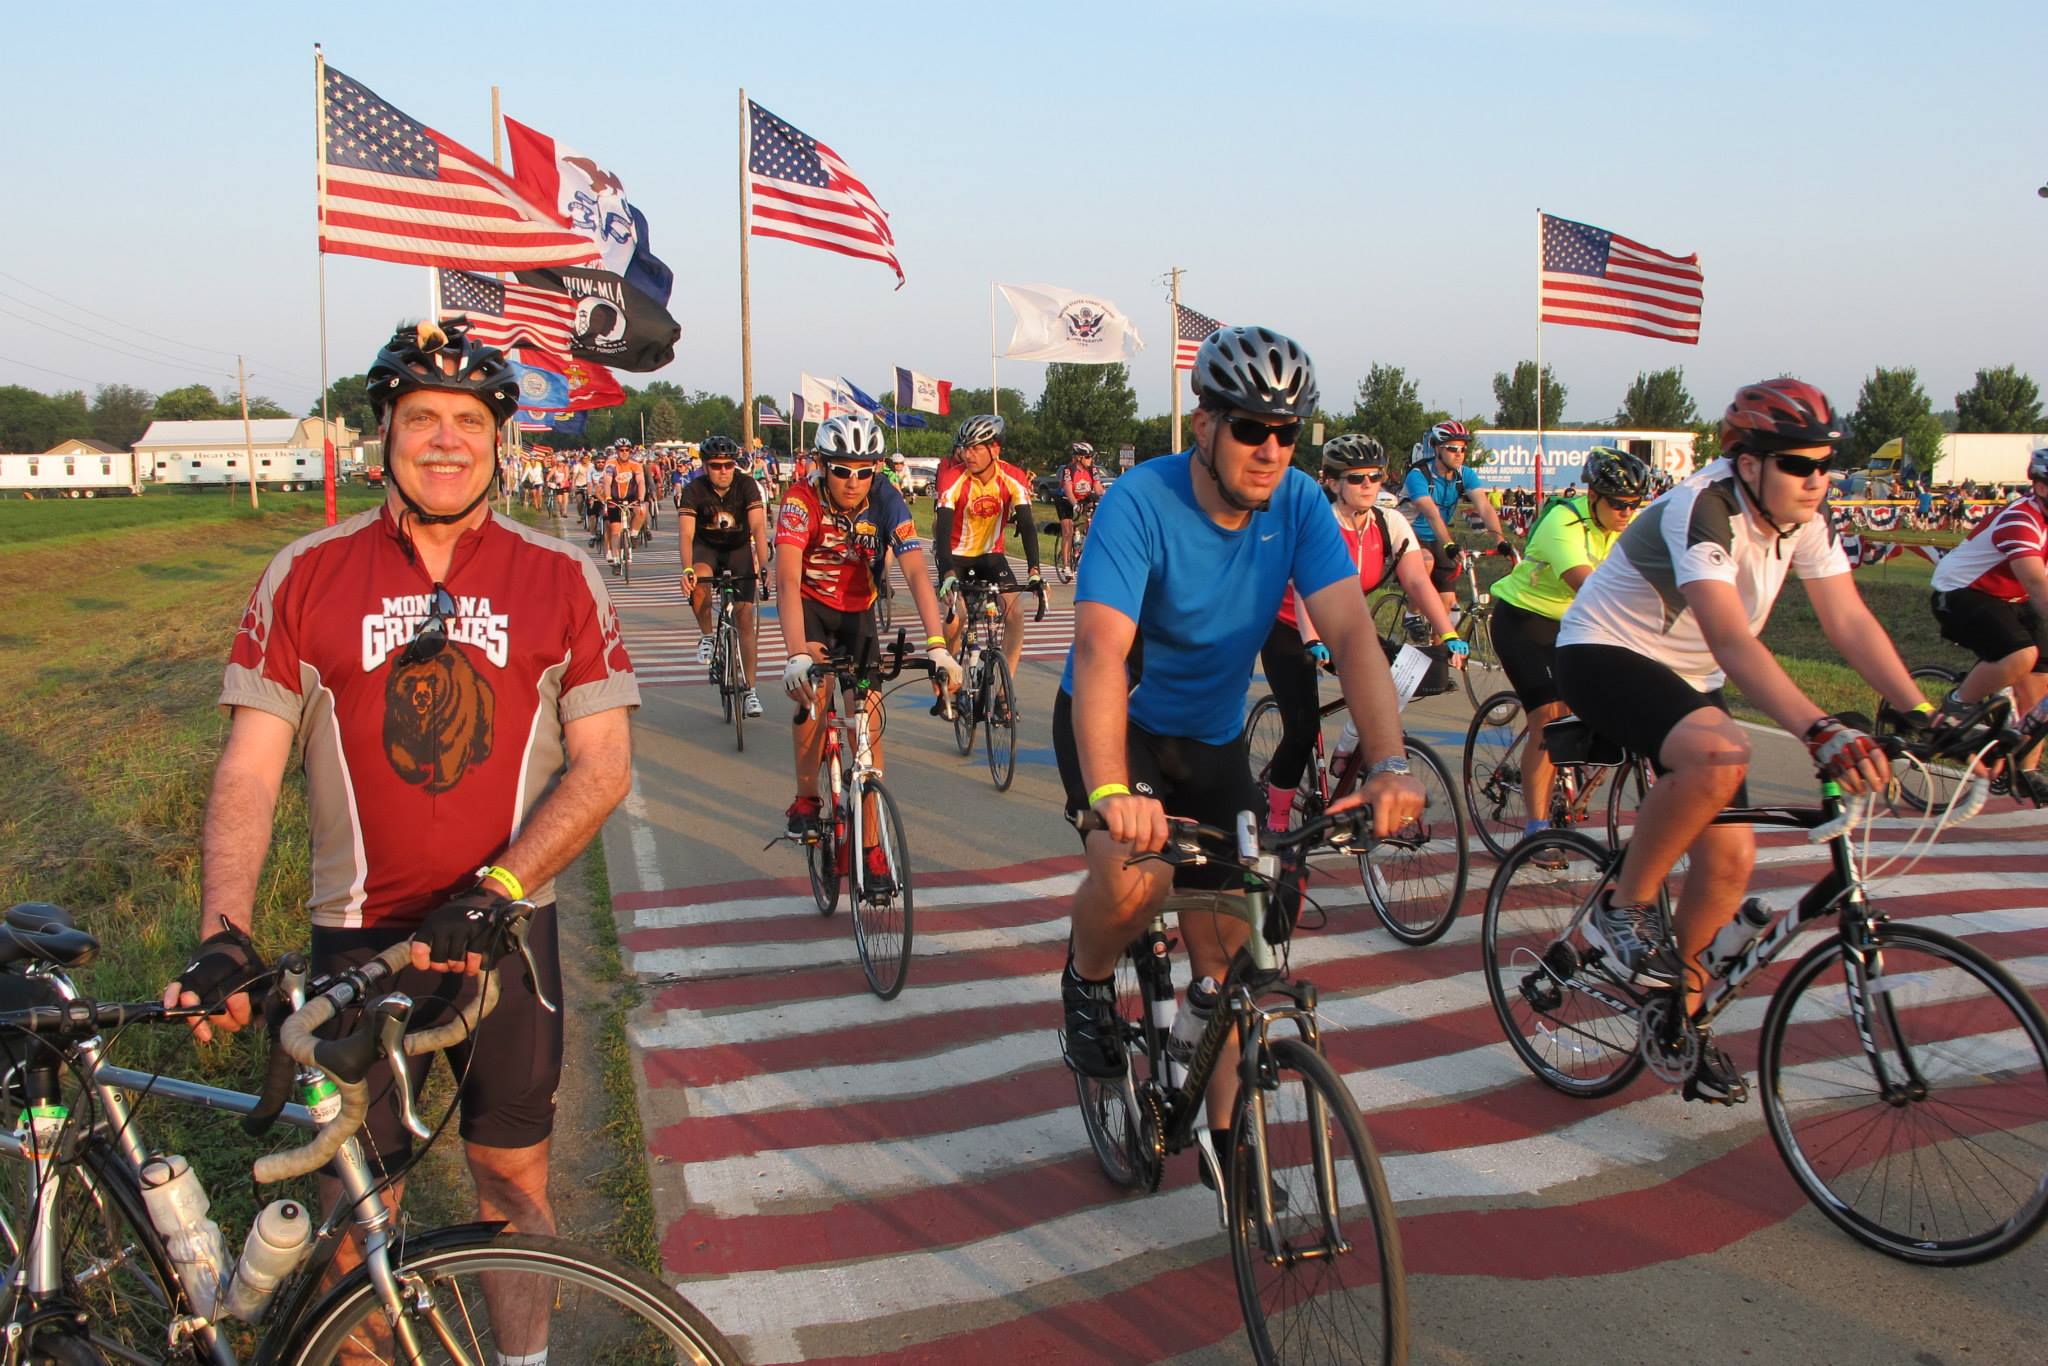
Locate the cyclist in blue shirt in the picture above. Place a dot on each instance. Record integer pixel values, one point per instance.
(1191, 554)
(1431, 494)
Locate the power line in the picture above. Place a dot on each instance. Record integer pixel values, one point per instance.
(105, 318)
(158, 358)
(61, 374)
(100, 335)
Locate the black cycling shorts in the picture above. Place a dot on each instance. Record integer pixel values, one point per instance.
(984, 569)
(713, 560)
(852, 632)
(614, 512)
(1631, 699)
(1206, 783)
(508, 1097)
(1446, 566)
(1990, 628)
(1063, 507)
(1526, 643)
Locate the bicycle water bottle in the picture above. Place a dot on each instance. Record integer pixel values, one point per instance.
(2039, 715)
(177, 1205)
(1736, 936)
(1193, 1020)
(278, 1241)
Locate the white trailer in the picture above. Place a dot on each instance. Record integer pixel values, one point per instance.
(71, 470)
(1987, 457)
(287, 452)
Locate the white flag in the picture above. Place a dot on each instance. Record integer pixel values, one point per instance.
(825, 399)
(1061, 324)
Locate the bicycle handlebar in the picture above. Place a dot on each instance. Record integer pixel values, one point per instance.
(1338, 829)
(381, 1033)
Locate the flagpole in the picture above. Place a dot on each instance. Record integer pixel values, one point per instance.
(995, 395)
(320, 251)
(506, 480)
(746, 295)
(1173, 361)
(1539, 360)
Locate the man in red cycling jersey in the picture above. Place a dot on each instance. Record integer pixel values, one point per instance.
(836, 530)
(976, 499)
(457, 690)
(1080, 486)
(1991, 598)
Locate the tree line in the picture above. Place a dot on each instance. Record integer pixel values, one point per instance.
(1095, 403)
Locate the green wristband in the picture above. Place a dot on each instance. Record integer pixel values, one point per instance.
(1108, 790)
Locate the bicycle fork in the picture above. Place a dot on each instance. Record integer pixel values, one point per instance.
(1255, 1023)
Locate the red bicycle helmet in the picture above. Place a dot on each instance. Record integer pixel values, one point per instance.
(1778, 415)
(1452, 430)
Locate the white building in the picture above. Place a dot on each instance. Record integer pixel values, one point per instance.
(287, 451)
(76, 468)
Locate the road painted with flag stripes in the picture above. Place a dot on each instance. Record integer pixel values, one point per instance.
(841, 1179)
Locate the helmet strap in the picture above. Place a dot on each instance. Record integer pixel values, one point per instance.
(1756, 495)
(1207, 460)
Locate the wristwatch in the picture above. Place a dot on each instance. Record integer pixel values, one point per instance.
(1393, 763)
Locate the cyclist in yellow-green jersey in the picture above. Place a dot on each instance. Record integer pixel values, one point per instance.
(1570, 538)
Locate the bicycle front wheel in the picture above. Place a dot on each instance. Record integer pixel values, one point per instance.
(1482, 672)
(1534, 952)
(1415, 878)
(1326, 1283)
(881, 910)
(513, 1297)
(1493, 772)
(732, 683)
(1943, 1161)
(1926, 786)
(823, 854)
(999, 727)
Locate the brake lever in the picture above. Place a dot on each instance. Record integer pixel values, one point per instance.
(392, 1013)
(516, 933)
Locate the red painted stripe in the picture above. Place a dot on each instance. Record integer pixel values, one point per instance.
(885, 1042)
(804, 924)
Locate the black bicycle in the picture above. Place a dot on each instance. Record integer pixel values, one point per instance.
(1314, 1245)
(988, 693)
(1904, 1072)
(90, 1280)
(728, 659)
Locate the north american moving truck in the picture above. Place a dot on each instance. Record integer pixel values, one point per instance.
(1510, 456)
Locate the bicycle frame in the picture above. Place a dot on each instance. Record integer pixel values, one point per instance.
(361, 1203)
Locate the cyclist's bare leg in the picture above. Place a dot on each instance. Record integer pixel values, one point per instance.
(1212, 940)
(956, 628)
(512, 1185)
(1538, 773)
(701, 604)
(747, 617)
(1112, 905)
(639, 518)
(2015, 671)
(1013, 632)
(611, 537)
(1067, 541)
(810, 733)
(1705, 758)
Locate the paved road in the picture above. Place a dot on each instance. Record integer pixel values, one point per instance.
(840, 1179)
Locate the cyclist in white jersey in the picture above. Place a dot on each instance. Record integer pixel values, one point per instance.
(1674, 611)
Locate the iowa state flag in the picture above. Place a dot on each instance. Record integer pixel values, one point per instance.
(591, 199)
(922, 392)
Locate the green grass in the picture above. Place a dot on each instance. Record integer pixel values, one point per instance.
(625, 1182)
(23, 522)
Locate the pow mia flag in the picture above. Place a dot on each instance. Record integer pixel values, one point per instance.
(614, 323)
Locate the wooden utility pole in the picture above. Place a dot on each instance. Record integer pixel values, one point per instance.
(1172, 363)
(248, 441)
(746, 299)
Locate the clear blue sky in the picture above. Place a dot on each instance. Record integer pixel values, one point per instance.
(1859, 179)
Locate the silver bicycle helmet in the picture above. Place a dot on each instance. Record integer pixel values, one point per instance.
(1353, 451)
(852, 436)
(1257, 370)
(984, 429)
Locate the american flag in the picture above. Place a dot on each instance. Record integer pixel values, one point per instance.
(1189, 330)
(802, 192)
(770, 418)
(507, 315)
(399, 191)
(1595, 278)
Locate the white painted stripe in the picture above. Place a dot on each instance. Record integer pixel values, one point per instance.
(767, 907)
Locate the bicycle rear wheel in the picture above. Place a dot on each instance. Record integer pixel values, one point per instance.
(1493, 772)
(822, 854)
(1262, 730)
(626, 558)
(1389, 617)
(1482, 672)
(515, 1296)
(1126, 1143)
(1415, 878)
(1948, 1163)
(999, 728)
(1331, 1287)
(1534, 953)
(881, 916)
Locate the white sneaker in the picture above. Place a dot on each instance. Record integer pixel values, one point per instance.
(753, 705)
(703, 649)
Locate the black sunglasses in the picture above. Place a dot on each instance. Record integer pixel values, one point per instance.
(1364, 476)
(1803, 466)
(857, 473)
(720, 465)
(432, 634)
(1250, 431)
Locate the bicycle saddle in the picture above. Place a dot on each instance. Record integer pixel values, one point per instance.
(38, 930)
(1572, 741)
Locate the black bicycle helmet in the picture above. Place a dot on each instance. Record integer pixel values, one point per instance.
(985, 429)
(1353, 451)
(1614, 473)
(719, 448)
(1257, 370)
(431, 355)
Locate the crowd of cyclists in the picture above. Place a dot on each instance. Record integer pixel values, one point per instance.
(1628, 610)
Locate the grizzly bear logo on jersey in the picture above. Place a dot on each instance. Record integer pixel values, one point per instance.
(437, 719)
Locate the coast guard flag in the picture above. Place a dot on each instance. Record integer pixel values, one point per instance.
(1066, 325)
(922, 392)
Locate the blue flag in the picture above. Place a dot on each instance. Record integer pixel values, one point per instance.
(906, 421)
(541, 389)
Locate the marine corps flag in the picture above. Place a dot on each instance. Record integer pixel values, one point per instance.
(613, 323)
